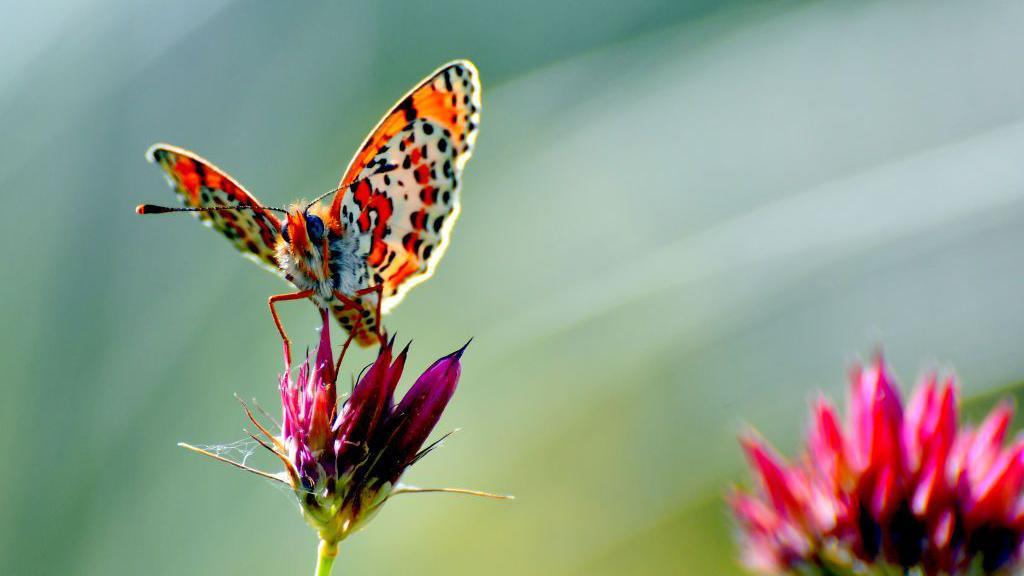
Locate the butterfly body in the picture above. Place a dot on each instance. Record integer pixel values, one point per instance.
(319, 255)
(355, 253)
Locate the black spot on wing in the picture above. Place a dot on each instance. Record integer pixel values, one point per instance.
(408, 109)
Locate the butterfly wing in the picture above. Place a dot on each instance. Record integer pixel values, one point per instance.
(402, 187)
(200, 184)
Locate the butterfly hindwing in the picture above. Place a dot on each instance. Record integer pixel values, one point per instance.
(360, 323)
(404, 222)
(200, 184)
(402, 187)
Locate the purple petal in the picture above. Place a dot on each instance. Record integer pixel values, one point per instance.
(421, 409)
(364, 409)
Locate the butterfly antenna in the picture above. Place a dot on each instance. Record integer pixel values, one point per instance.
(154, 209)
(324, 195)
(382, 170)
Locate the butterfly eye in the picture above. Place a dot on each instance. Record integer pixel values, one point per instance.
(284, 233)
(315, 228)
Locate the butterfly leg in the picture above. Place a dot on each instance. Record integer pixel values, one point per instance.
(277, 321)
(350, 303)
(344, 349)
(347, 303)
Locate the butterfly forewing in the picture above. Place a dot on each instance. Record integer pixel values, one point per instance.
(200, 184)
(402, 187)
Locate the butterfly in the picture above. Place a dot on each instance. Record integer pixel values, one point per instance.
(357, 250)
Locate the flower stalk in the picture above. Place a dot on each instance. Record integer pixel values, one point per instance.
(326, 552)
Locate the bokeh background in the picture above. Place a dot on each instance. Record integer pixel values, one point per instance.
(683, 217)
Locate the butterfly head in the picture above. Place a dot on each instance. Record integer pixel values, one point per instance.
(305, 236)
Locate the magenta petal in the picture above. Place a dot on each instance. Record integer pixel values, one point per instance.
(876, 419)
(394, 375)
(919, 421)
(420, 410)
(363, 413)
(941, 532)
(825, 439)
(779, 485)
(989, 436)
(308, 400)
(995, 494)
(887, 442)
(945, 428)
(883, 494)
(324, 354)
(927, 488)
(752, 512)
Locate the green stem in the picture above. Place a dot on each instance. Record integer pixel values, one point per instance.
(325, 555)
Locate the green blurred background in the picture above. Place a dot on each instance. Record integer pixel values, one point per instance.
(681, 217)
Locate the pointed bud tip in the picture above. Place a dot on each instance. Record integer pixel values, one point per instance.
(405, 351)
(878, 356)
(387, 345)
(458, 353)
(749, 436)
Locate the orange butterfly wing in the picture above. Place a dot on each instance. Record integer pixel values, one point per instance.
(402, 187)
(200, 184)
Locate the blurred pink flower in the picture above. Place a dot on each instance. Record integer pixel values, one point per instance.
(898, 486)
